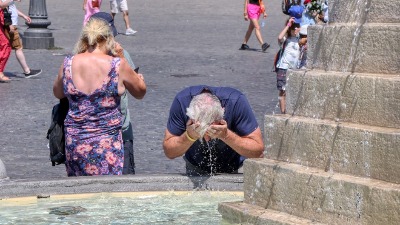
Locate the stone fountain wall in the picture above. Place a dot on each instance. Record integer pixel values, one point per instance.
(334, 158)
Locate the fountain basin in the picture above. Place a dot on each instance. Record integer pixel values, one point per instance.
(76, 185)
(168, 207)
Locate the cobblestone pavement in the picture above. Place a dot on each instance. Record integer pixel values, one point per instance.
(178, 44)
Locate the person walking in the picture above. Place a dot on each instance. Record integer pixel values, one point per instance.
(94, 80)
(5, 47)
(122, 6)
(252, 14)
(90, 7)
(16, 43)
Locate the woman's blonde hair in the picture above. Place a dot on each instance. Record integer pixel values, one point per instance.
(96, 31)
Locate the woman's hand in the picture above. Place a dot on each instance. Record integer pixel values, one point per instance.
(119, 50)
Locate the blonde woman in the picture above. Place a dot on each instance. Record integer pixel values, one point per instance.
(93, 81)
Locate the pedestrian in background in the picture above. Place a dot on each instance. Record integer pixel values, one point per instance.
(122, 6)
(5, 47)
(90, 7)
(16, 41)
(252, 14)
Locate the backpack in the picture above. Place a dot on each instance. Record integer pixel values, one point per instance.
(286, 5)
(55, 134)
(7, 17)
(278, 55)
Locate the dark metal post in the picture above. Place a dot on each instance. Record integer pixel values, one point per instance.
(37, 36)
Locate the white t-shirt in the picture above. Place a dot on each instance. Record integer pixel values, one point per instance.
(290, 56)
(14, 13)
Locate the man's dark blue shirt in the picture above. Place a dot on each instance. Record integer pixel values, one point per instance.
(214, 156)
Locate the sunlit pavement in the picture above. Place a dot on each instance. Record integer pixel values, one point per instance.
(178, 44)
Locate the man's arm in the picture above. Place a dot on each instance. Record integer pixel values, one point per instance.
(250, 146)
(175, 146)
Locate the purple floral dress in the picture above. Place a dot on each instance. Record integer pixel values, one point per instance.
(93, 138)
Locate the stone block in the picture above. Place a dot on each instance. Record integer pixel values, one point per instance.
(326, 197)
(3, 173)
(242, 213)
(364, 11)
(365, 48)
(364, 151)
(368, 99)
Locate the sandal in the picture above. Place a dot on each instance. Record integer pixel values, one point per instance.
(4, 79)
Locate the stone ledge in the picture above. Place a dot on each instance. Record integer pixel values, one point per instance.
(362, 48)
(356, 98)
(240, 212)
(314, 194)
(349, 148)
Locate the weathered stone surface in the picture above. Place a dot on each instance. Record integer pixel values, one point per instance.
(94, 184)
(364, 11)
(321, 196)
(240, 212)
(340, 137)
(364, 151)
(369, 99)
(367, 48)
(3, 173)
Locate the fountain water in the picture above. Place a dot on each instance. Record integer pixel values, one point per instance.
(333, 159)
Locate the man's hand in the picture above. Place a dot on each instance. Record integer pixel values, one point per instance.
(192, 129)
(219, 130)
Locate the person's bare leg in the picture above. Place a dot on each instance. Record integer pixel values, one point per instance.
(257, 30)
(21, 59)
(4, 78)
(248, 33)
(282, 101)
(125, 15)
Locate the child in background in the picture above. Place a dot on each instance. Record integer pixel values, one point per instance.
(289, 59)
(303, 48)
(90, 7)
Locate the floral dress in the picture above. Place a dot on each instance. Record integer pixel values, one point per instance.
(93, 138)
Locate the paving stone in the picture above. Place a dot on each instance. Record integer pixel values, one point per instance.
(178, 44)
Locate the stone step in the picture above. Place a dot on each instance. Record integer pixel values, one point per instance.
(317, 195)
(363, 11)
(243, 213)
(360, 150)
(355, 48)
(369, 99)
